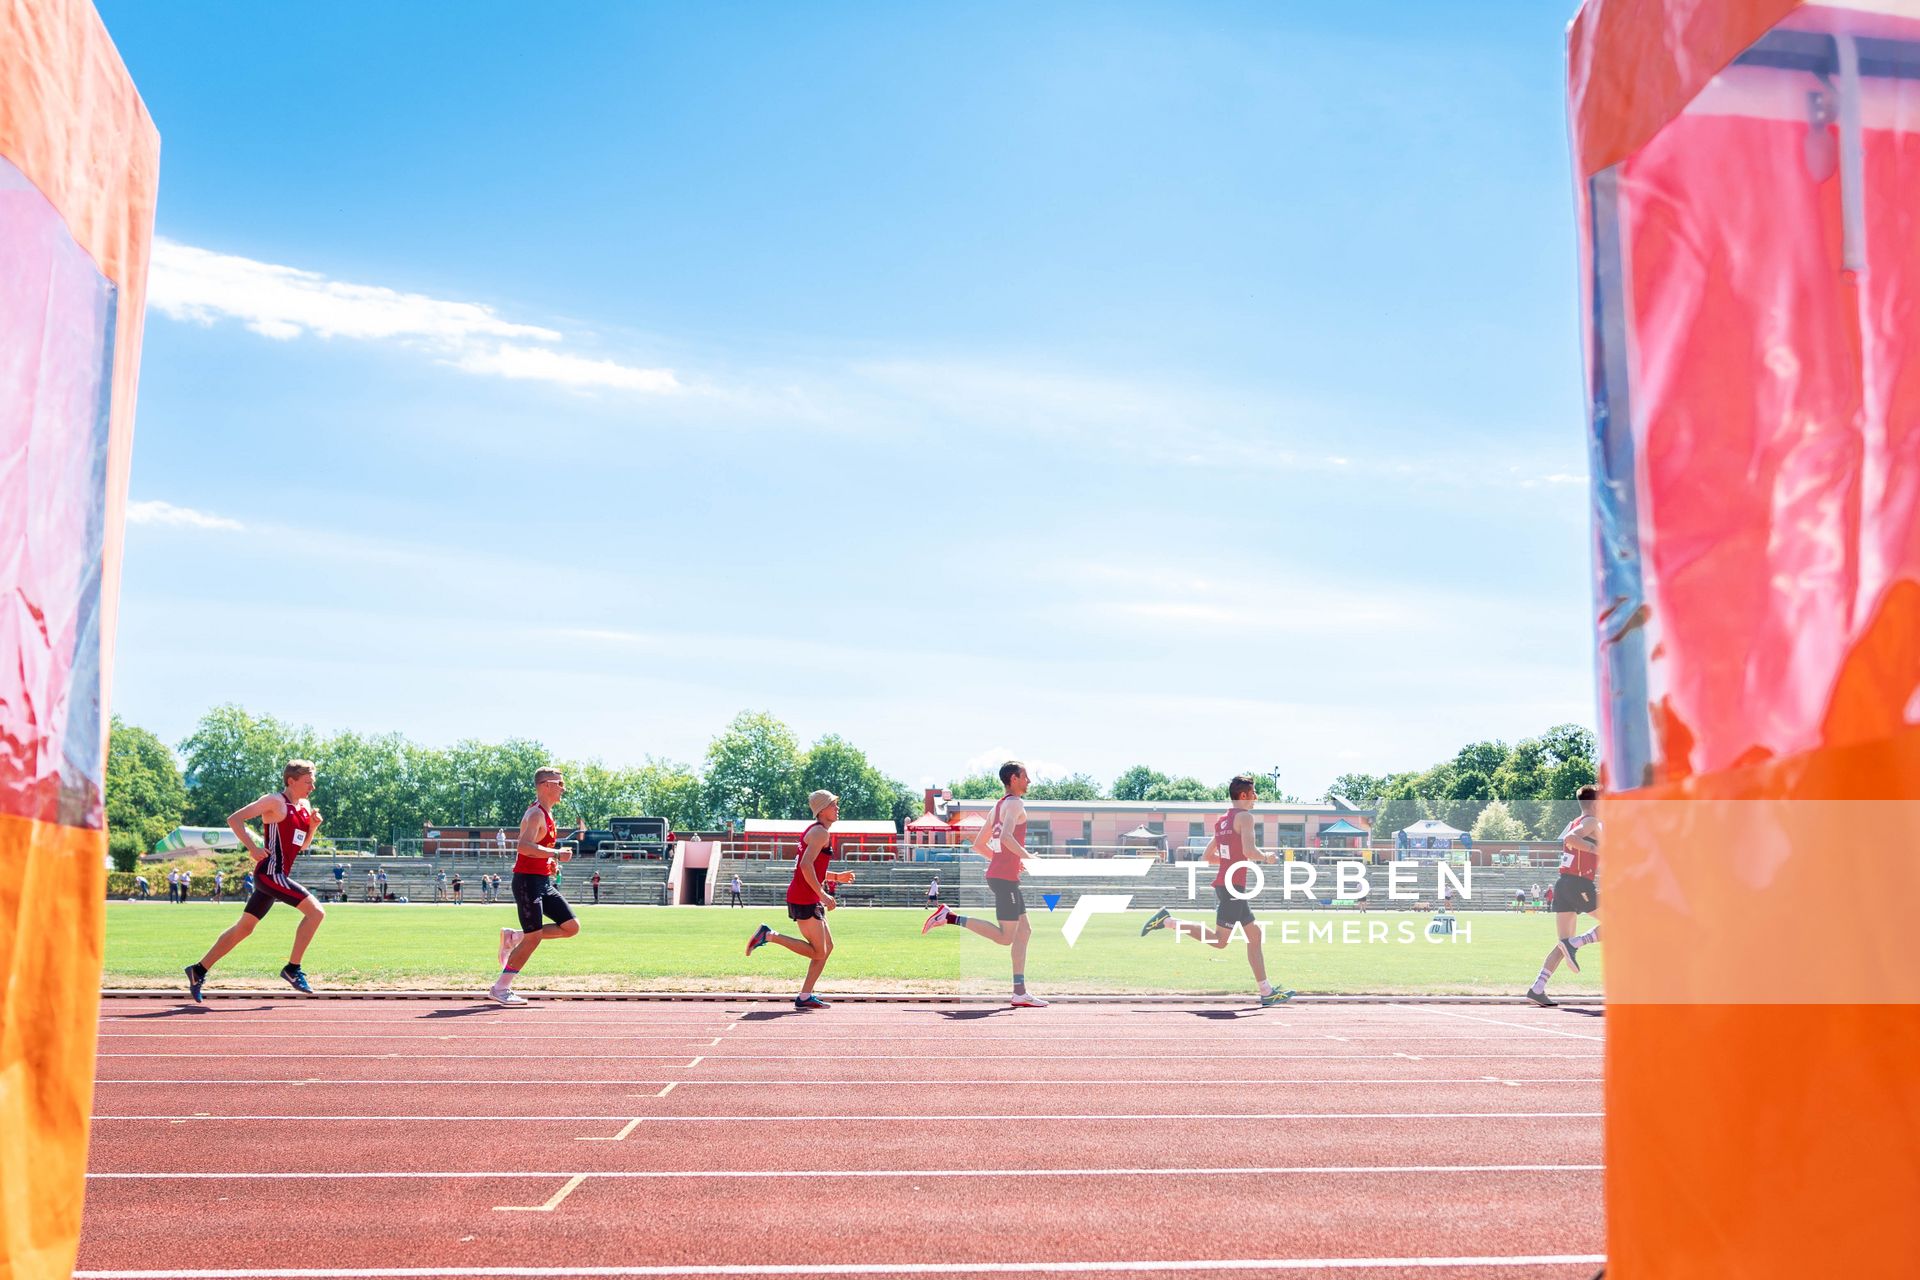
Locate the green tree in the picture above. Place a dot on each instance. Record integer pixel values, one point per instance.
(1075, 786)
(977, 786)
(1135, 783)
(1184, 789)
(146, 797)
(836, 765)
(233, 758)
(672, 791)
(1496, 822)
(494, 782)
(1362, 790)
(753, 770)
(1401, 804)
(597, 793)
(362, 787)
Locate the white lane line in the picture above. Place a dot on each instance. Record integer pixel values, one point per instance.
(553, 1201)
(959, 1118)
(870, 1057)
(631, 1126)
(969, 1082)
(1148, 1266)
(696, 1175)
(1514, 1026)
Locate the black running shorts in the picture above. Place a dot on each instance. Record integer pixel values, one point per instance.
(536, 898)
(1008, 902)
(1575, 893)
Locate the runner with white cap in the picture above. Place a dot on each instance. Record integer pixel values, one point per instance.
(809, 898)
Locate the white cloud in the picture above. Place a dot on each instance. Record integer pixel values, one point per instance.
(510, 360)
(200, 286)
(153, 511)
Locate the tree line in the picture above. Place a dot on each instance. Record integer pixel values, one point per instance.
(385, 786)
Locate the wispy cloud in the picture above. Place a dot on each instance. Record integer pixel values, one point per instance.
(156, 512)
(200, 286)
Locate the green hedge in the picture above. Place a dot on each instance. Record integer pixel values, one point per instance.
(235, 865)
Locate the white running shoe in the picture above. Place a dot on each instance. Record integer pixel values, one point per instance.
(941, 914)
(506, 996)
(509, 939)
(1028, 1002)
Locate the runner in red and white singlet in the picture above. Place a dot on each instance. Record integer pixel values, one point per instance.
(1573, 893)
(1234, 887)
(544, 914)
(289, 823)
(1003, 843)
(809, 898)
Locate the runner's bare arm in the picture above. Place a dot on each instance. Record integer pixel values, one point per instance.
(1243, 825)
(1211, 856)
(532, 828)
(269, 808)
(810, 849)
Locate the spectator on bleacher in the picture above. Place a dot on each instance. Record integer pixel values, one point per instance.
(1519, 899)
(933, 892)
(456, 886)
(737, 900)
(440, 886)
(340, 881)
(595, 882)
(371, 886)
(380, 878)
(1547, 897)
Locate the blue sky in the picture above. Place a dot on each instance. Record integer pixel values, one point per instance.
(1189, 385)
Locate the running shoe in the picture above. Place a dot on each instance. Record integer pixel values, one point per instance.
(1158, 920)
(509, 939)
(1028, 1002)
(1542, 999)
(1568, 949)
(939, 916)
(506, 996)
(196, 979)
(296, 977)
(810, 1001)
(1276, 996)
(759, 938)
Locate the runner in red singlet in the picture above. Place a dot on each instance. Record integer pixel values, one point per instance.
(290, 824)
(535, 860)
(1573, 893)
(1002, 842)
(809, 898)
(1232, 848)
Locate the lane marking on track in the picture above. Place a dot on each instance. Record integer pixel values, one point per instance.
(963, 1118)
(970, 1082)
(696, 1175)
(869, 1057)
(553, 1201)
(631, 1126)
(1497, 1080)
(664, 1091)
(882, 1268)
(696, 1062)
(1514, 1026)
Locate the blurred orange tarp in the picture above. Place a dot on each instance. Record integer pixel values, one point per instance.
(79, 164)
(1749, 187)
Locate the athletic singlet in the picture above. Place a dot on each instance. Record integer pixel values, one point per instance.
(1584, 863)
(1005, 864)
(287, 838)
(799, 892)
(1232, 850)
(531, 864)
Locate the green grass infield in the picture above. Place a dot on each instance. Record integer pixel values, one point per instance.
(445, 947)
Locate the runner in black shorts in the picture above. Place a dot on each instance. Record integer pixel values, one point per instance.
(290, 823)
(1573, 893)
(809, 898)
(1002, 842)
(1233, 850)
(539, 902)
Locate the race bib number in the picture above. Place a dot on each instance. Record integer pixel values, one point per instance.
(299, 838)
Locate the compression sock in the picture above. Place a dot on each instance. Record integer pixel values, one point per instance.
(1540, 983)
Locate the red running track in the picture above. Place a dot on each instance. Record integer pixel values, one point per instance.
(268, 1138)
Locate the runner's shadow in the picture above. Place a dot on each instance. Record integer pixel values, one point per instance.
(965, 1015)
(180, 1009)
(1585, 1013)
(1216, 1015)
(465, 1012)
(768, 1015)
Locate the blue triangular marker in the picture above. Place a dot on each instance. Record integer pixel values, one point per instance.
(1051, 899)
